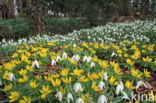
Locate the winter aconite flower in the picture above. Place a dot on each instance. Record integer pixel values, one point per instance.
(147, 73)
(64, 72)
(66, 80)
(33, 84)
(45, 91)
(8, 87)
(56, 82)
(14, 96)
(112, 80)
(77, 72)
(129, 85)
(25, 100)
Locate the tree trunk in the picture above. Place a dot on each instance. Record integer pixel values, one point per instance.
(11, 8)
(20, 8)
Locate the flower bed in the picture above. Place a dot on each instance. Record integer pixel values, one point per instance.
(91, 72)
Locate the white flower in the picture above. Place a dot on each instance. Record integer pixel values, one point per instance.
(125, 96)
(102, 99)
(11, 77)
(119, 88)
(77, 87)
(74, 45)
(0, 83)
(58, 58)
(59, 95)
(140, 83)
(64, 55)
(79, 100)
(53, 62)
(88, 59)
(101, 85)
(92, 64)
(35, 63)
(84, 58)
(105, 76)
(113, 54)
(76, 57)
(69, 97)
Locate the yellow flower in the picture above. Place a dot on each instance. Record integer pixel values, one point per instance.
(33, 84)
(6, 75)
(152, 96)
(29, 68)
(66, 80)
(65, 72)
(45, 91)
(14, 55)
(55, 75)
(93, 76)
(25, 100)
(22, 72)
(129, 61)
(135, 73)
(77, 72)
(38, 77)
(96, 88)
(118, 71)
(112, 80)
(146, 73)
(56, 83)
(8, 87)
(83, 79)
(14, 96)
(129, 85)
(9, 66)
(103, 64)
(126, 55)
(147, 59)
(23, 80)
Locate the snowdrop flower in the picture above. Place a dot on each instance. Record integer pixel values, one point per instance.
(89, 59)
(105, 76)
(79, 100)
(53, 62)
(140, 83)
(102, 99)
(11, 77)
(64, 55)
(74, 45)
(69, 97)
(113, 54)
(85, 58)
(76, 57)
(92, 64)
(35, 63)
(125, 96)
(59, 95)
(77, 87)
(58, 58)
(0, 83)
(119, 88)
(101, 85)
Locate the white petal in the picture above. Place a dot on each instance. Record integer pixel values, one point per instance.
(101, 85)
(102, 99)
(11, 77)
(77, 87)
(125, 96)
(69, 97)
(79, 100)
(59, 95)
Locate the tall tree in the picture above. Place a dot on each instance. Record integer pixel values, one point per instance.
(11, 8)
(20, 2)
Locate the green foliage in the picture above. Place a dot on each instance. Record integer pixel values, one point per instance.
(14, 28)
(62, 26)
(19, 28)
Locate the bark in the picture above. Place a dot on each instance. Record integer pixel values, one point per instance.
(20, 8)
(11, 8)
